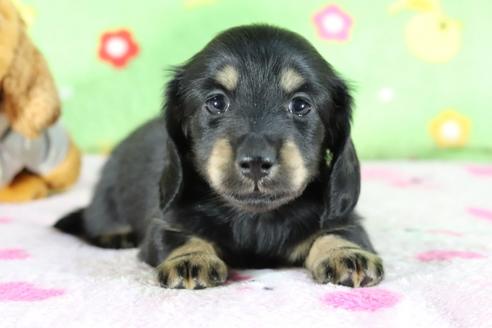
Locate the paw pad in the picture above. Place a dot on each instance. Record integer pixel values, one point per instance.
(351, 267)
(192, 271)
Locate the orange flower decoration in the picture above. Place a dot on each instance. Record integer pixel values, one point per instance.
(117, 48)
(450, 129)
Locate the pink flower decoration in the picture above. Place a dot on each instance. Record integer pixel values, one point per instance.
(332, 23)
(444, 255)
(363, 299)
(117, 48)
(481, 213)
(13, 254)
(26, 292)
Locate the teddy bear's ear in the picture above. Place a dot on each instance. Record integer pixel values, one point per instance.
(30, 100)
(10, 29)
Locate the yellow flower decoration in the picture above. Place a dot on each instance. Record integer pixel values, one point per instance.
(415, 5)
(430, 35)
(433, 37)
(450, 129)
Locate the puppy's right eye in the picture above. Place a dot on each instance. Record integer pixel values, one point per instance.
(217, 104)
(299, 106)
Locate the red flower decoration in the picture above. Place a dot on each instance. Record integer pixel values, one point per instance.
(117, 48)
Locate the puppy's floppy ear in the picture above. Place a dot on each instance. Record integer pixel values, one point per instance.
(342, 180)
(339, 117)
(343, 187)
(175, 111)
(172, 174)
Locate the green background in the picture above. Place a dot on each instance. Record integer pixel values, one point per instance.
(102, 104)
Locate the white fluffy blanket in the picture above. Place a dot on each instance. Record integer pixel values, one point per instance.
(431, 222)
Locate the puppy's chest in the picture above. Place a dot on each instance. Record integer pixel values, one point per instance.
(267, 241)
(257, 240)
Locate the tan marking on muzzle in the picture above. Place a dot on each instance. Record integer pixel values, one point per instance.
(290, 80)
(293, 161)
(220, 158)
(228, 77)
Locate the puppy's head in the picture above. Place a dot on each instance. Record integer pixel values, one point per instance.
(255, 112)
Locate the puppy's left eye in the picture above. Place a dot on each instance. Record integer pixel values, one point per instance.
(217, 104)
(299, 106)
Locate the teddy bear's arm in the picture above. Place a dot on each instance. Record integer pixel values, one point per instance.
(30, 98)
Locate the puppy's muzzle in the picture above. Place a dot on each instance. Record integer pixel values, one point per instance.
(255, 157)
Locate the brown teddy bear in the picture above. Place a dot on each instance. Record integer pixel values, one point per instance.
(37, 155)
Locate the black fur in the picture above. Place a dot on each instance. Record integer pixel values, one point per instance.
(155, 184)
(72, 223)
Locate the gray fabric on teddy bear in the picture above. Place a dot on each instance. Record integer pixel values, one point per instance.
(40, 155)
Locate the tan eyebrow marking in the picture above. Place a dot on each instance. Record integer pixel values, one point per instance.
(228, 76)
(290, 80)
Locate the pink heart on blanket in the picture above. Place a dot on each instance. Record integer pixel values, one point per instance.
(480, 170)
(13, 254)
(445, 255)
(27, 292)
(481, 213)
(380, 173)
(446, 232)
(394, 178)
(5, 220)
(362, 299)
(235, 276)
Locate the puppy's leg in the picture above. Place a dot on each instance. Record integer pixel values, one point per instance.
(182, 261)
(103, 223)
(337, 260)
(118, 238)
(194, 265)
(344, 257)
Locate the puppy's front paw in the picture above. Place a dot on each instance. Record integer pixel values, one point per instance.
(352, 267)
(192, 271)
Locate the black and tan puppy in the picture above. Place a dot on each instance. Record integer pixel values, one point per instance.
(252, 166)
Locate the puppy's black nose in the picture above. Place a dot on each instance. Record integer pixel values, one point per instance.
(255, 168)
(255, 157)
